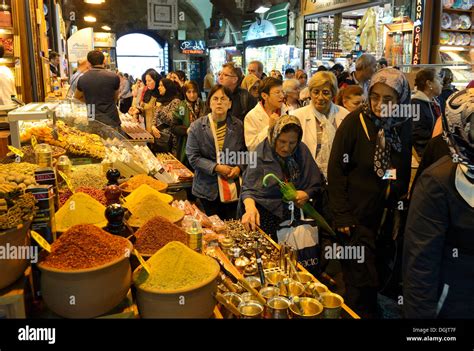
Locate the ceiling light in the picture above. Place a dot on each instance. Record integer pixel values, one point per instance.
(90, 19)
(106, 28)
(262, 9)
(94, 2)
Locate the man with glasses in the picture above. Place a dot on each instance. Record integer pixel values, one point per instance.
(242, 102)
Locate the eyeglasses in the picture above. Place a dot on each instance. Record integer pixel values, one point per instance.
(325, 92)
(226, 75)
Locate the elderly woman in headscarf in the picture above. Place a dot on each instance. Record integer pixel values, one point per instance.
(369, 171)
(284, 155)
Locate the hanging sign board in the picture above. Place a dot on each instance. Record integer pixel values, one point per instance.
(104, 40)
(273, 23)
(417, 29)
(80, 43)
(311, 7)
(163, 14)
(192, 47)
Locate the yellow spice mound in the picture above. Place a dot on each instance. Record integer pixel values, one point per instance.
(142, 191)
(80, 209)
(141, 179)
(176, 267)
(149, 206)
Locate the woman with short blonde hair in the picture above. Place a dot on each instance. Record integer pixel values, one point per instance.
(321, 117)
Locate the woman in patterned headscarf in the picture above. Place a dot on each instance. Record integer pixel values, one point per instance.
(369, 172)
(284, 155)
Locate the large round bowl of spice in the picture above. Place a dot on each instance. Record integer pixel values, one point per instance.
(16, 212)
(87, 273)
(181, 284)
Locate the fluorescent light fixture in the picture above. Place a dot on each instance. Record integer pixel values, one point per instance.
(262, 9)
(453, 48)
(106, 28)
(90, 19)
(94, 2)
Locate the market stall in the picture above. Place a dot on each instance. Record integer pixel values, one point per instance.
(335, 29)
(266, 40)
(78, 183)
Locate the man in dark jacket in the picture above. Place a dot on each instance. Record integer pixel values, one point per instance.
(438, 255)
(242, 102)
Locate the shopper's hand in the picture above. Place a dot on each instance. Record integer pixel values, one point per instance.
(251, 218)
(301, 198)
(156, 133)
(223, 170)
(133, 110)
(234, 173)
(345, 230)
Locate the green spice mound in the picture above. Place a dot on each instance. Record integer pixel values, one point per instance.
(176, 267)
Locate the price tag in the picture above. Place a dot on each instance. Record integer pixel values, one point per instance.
(67, 180)
(16, 151)
(34, 142)
(41, 241)
(142, 261)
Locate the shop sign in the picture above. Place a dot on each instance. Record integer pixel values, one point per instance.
(310, 7)
(193, 47)
(104, 40)
(162, 14)
(79, 44)
(417, 29)
(273, 23)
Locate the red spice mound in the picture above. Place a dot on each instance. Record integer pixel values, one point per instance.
(97, 194)
(156, 233)
(85, 246)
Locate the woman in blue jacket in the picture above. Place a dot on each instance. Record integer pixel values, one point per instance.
(202, 155)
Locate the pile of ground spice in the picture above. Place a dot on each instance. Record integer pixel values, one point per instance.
(143, 190)
(85, 246)
(156, 233)
(96, 194)
(140, 179)
(80, 208)
(150, 205)
(176, 267)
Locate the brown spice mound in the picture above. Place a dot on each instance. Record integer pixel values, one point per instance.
(85, 246)
(156, 233)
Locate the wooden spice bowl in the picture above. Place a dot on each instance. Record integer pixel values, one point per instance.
(86, 293)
